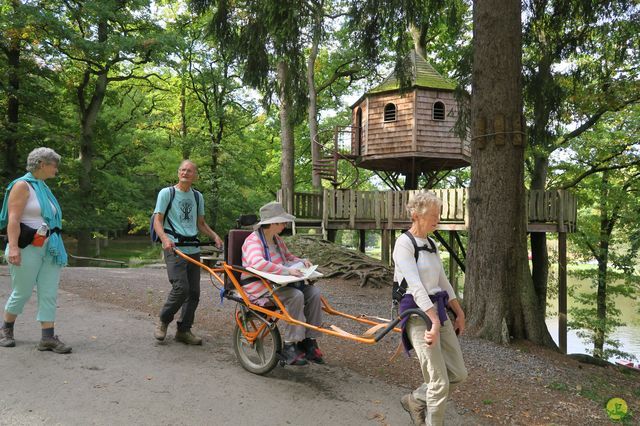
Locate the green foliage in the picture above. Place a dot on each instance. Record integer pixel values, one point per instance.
(603, 167)
(584, 319)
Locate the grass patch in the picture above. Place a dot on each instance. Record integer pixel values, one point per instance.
(133, 251)
(558, 386)
(591, 394)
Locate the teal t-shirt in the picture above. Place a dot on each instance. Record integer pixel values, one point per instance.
(183, 215)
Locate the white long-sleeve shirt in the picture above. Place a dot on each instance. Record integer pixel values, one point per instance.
(425, 277)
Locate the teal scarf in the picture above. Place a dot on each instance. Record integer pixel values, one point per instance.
(45, 198)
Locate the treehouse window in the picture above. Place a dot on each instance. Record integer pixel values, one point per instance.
(438, 111)
(389, 112)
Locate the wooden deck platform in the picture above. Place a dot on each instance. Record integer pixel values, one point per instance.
(549, 211)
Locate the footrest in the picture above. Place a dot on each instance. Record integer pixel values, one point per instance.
(341, 331)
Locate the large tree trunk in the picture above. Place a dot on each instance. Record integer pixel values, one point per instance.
(499, 295)
(286, 137)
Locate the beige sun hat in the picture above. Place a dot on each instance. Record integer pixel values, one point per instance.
(273, 212)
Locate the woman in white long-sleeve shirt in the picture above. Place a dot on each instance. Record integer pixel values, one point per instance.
(428, 289)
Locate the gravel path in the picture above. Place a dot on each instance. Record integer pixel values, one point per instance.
(520, 384)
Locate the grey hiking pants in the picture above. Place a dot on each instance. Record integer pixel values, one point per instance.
(442, 365)
(303, 303)
(185, 290)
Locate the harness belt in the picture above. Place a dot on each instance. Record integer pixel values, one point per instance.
(181, 238)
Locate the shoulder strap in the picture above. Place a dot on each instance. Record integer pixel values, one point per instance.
(172, 192)
(197, 195)
(265, 246)
(416, 252)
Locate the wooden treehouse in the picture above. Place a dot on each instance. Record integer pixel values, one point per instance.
(394, 130)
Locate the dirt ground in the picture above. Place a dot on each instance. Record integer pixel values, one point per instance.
(520, 384)
(118, 374)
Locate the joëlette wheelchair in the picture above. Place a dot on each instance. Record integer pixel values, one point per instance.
(256, 339)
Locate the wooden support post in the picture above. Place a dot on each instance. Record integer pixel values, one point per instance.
(389, 209)
(352, 209)
(562, 291)
(453, 266)
(392, 244)
(384, 247)
(325, 209)
(362, 241)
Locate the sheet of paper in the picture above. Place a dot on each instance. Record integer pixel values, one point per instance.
(309, 273)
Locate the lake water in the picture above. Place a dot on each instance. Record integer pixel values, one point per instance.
(629, 335)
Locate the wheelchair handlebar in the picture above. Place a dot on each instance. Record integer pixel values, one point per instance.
(196, 244)
(392, 324)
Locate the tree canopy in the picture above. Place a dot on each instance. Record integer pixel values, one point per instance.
(126, 89)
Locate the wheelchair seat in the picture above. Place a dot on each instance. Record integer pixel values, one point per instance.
(233, 253)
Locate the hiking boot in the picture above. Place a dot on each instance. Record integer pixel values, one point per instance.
(188, 338)
(311, 351)
(415, 408)
(161, 331)
(53, 344)
(292, 355)
(6, 338)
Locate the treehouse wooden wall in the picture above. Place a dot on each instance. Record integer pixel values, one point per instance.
(437, 136)
(414, 132)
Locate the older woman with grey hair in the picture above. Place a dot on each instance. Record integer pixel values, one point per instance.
(419, 268)
(35, 250)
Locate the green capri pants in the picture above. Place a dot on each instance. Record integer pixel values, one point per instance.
(36, 269)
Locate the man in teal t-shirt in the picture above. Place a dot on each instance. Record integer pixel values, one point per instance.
(184, 219)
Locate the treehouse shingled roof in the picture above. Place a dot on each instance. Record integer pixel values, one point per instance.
(423, 74)
(409, 130)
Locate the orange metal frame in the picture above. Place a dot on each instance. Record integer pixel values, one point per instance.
(280, 313)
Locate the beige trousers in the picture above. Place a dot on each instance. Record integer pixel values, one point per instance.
(441, 365)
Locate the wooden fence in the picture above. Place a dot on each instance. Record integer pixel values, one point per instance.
(549, 211)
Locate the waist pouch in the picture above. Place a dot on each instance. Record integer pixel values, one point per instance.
(27, 234)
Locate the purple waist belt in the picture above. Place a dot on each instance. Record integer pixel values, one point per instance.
(440, 300)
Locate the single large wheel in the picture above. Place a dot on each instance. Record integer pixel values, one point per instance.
(261, 355)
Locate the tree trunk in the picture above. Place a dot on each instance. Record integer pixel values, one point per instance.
(89, 116)
(286, 137)
(539, 251)
(499, 294)
(603, 258)
(316, 180)
(215, 153)
(540, 138)
(11, 166)
(419, 40)
(186, 148)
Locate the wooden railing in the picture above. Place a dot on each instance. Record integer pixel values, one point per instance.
(386, 209)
